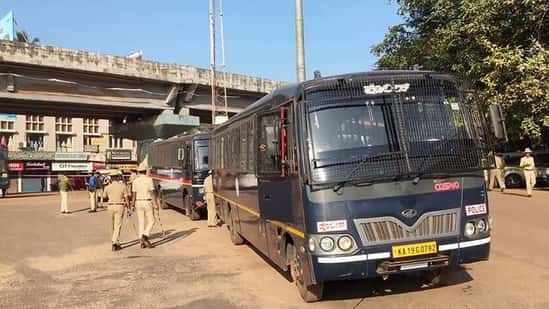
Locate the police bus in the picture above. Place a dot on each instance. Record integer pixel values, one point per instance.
(178, 167)
(4, 170)
(357, 176)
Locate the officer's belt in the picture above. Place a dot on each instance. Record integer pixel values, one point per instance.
(144, 199)
(121, 203)
(529, 170)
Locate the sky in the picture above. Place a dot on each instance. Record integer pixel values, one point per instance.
(259, 35)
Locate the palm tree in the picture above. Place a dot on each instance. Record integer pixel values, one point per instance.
(22, 36)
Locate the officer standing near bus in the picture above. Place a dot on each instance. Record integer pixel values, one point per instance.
(210, 201)
(143, 200)
(529, 167)
(496, 173)
(118, 200)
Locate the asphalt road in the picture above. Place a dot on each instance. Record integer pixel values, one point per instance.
(49, 260)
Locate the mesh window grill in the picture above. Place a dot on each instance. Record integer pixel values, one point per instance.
(430, 127)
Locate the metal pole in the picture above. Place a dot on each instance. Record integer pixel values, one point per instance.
(212, 56)
(300, 44)
(221, 28)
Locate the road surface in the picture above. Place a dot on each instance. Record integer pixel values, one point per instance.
(49, 260)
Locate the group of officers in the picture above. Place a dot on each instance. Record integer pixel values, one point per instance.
(137, 196)
(526, 163)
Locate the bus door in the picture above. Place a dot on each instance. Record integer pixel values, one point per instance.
(277, 189)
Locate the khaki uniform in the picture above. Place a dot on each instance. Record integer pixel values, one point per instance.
(116, 192)
(142, 186)
(64, 193)
(497, 173)
(529, 168)
(210, 200)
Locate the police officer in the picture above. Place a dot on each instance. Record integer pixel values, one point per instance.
(64, 187)
(529, 168)
(210, 201)
(496, 173)
(118, 200)
(143, 200)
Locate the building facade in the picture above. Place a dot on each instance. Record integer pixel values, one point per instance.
(42, 147)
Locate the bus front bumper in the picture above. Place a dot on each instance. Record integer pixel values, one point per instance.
(373, 264)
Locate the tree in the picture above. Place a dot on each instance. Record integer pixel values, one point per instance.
(22, 36)
(499, 47)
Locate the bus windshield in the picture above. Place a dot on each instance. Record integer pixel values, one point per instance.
(390, 135)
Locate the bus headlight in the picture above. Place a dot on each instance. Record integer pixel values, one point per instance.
(327, 244)
(481, 226)
(312, 245)
(469, 229)
(345, 243)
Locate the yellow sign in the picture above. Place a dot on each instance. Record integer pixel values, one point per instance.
(98, 141)
(124, 167)
(415, 249)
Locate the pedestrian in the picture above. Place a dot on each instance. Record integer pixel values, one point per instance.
(529, 167)
(143, 200)
(118, 201)
(496, 173)
(99, 189)
(64, 186)
(210, 201)
(92, 191)
(42, 184)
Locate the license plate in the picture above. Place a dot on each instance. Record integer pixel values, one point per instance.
(415, 249)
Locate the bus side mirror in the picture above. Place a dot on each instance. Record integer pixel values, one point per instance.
(498, 122)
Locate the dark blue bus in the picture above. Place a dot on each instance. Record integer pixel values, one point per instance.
(178, 167)
(357, 176)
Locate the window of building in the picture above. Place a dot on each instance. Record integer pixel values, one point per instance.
(116, 142)
(63, 143)
(63, 124)
(34, 123)
(35, 142)
(7, 125)
(91, 126)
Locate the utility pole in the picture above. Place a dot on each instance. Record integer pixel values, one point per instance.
(212, 57)
(300, 44)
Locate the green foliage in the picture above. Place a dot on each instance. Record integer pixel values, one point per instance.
(500, 47)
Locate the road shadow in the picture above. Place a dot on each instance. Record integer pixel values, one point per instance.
(284, 273)
(394, 285)
(23, 195)
(516, 194)
(173, 237)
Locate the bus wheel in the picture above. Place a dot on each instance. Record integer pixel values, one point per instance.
(163, 203)
(439, 277)
(236, 239)
(309, 293)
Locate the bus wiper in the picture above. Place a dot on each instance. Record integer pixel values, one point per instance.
(342, 183)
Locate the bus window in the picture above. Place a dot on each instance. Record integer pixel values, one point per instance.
(201, 161)
(268, 154)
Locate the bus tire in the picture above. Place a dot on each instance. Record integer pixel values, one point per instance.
(236, 239)
(309, 292)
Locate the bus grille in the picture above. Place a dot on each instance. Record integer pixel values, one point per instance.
(389, 229)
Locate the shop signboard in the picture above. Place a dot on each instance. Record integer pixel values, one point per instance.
(71, 166)
(91, 148)
(16, 166)
(122, 167)
(98, 141)
(36, 166)
(98, 165)
(71, 156)
(119, 155)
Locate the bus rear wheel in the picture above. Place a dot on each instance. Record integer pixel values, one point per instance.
(236, 239)
(309, 293)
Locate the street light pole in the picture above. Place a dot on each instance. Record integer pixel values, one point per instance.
(300, 44)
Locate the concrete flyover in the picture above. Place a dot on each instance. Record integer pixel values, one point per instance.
(144, 99)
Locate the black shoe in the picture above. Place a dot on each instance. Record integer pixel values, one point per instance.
(145, 242)
(92, 210)
(116, 247)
